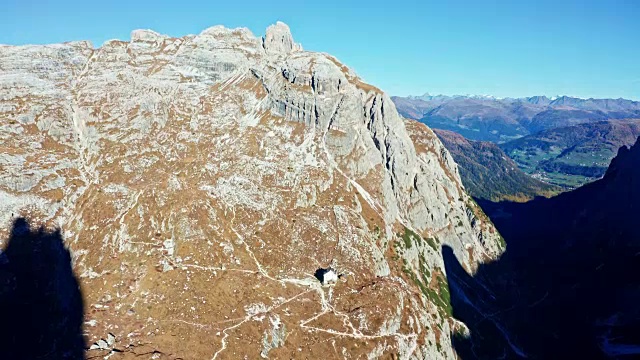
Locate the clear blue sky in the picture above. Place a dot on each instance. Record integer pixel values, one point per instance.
(505, 48)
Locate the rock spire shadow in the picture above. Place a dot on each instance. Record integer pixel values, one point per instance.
(41, 306)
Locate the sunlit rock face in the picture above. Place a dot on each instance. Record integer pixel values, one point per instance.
(200, 181)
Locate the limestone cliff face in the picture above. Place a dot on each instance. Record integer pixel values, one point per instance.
(200, 182)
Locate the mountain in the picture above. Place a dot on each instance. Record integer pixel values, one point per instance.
(487, 118)
(574, 155)
(199, 183)
(488, 173)
(567, 286)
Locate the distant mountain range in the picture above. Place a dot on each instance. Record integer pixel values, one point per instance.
(488, 118)
(571, 156)
(488, 173)
(568, 286)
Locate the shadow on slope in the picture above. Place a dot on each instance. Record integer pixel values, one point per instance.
(568, 285)
(41, 307)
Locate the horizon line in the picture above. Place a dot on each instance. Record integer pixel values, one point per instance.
(488, 96)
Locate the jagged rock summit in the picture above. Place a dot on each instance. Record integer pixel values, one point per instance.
(626, 162)
(200, 181)
(278, 39)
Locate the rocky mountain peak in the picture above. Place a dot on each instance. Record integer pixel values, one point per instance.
(201, 181)
(278, 39)
(145, 35)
